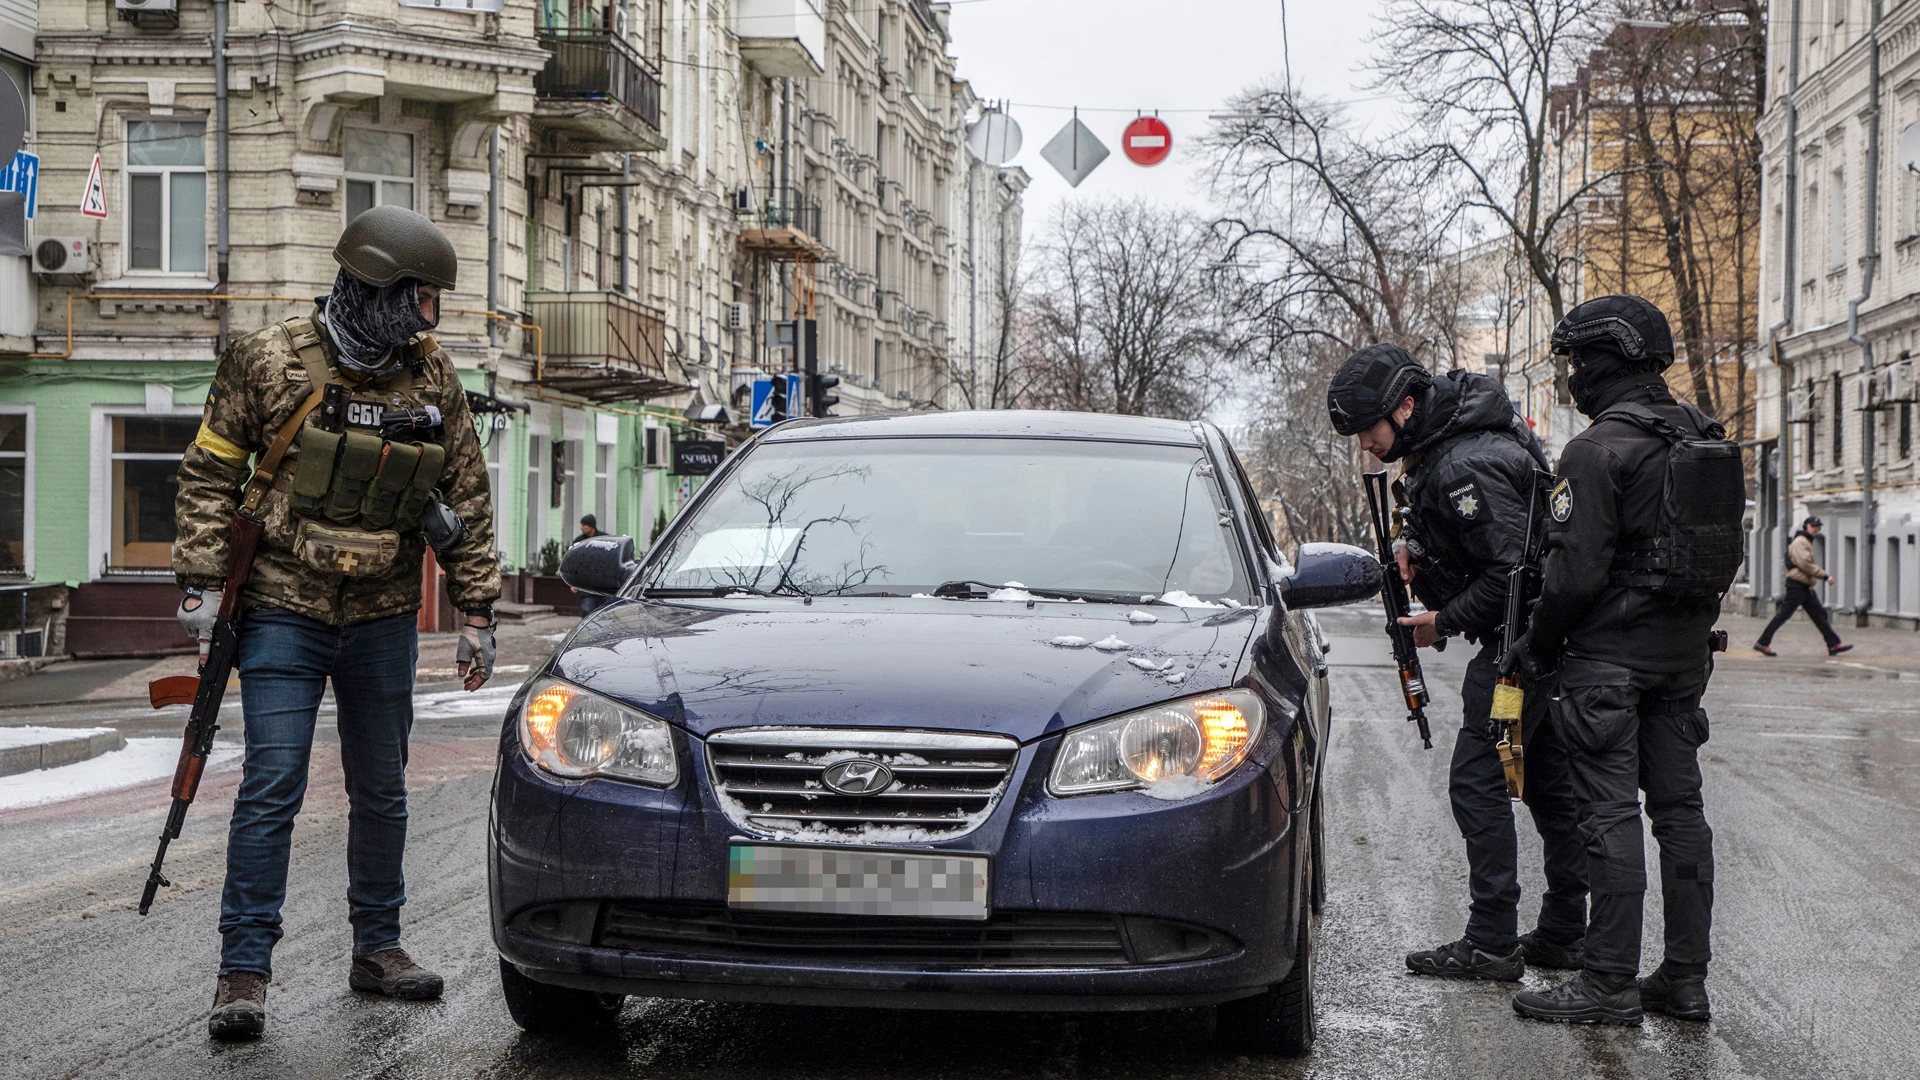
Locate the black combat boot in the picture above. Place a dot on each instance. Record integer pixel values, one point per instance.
(1583, 999)
(1542, 953)
(239, 1007)
(1464, 959)
(1683, 997)
(393, 973)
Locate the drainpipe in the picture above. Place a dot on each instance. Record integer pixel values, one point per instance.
(1863, 600)
(1789, 288)
(221, 246)
(493, 236)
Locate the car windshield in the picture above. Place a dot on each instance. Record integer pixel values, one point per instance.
(962, 517)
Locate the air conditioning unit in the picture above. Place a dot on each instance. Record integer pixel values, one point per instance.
(63, 255)
(1900, 381)
(167, 10)
(1800, 405)
(737, 317)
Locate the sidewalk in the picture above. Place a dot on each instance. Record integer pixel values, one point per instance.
(1799, 645)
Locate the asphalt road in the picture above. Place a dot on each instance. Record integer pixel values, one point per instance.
(1813, 787)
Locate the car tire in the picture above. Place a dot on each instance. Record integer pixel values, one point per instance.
(548, 1010)
(1280, 1021)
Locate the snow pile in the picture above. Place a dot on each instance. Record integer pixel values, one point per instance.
(1142, 618)
(142, 761)
(1176, 677)
(34, 736)
(1111, 643)
(1069, 641)
(1179, 598)
(1012, 591)
(1174, 788)
(450, 704)
(1145, 664)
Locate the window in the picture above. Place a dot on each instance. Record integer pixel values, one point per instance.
(537, 462)
(1813, 425)
(167, 196)
(1906, 429)
(603, 487)
(379, 169)
(14, 431)
(1837, 220)
(146, 452)
(1839, 426)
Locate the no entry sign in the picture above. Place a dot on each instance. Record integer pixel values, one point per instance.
(1147, 141)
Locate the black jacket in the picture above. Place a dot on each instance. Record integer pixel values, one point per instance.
(1467, 483)
(1616, 473)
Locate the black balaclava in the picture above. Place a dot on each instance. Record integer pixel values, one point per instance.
(1405, 435)
(367, 322)
(1600, 368)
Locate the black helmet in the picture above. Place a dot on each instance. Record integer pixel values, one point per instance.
(1370, 385)
(1628, 325)
(390, 243)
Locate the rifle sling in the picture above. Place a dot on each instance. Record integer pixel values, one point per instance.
(313, 358)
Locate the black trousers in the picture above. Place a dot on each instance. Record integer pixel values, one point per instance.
(1478, 787)
(1628, 731)
(1801, 596)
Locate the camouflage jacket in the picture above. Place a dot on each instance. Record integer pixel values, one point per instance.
(259, 385)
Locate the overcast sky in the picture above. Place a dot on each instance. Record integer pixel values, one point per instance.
(1134, 54)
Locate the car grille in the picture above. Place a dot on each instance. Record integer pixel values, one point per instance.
(1006, 940)
(944, 783)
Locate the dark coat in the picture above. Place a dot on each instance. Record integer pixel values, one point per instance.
(1467, 483)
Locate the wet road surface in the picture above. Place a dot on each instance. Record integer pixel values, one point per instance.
(1813, 789)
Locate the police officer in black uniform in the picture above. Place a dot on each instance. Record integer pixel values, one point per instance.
(1632, 586)
(1470, 462)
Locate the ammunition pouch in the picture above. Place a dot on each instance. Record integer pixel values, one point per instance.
(353, 552)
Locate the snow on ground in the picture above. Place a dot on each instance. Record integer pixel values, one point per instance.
(33, 736)
(450, 704)
(143, 761)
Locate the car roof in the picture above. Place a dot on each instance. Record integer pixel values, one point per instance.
(990, 423)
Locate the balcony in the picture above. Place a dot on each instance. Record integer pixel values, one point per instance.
(596, 93)
(788, 228)
(602, 347)
(782, 37)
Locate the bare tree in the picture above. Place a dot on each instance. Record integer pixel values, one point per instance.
(1128, 312)
(1483, 75)
(997, 377)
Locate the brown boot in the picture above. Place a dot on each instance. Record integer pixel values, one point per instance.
(239, 1007)
(393, 973)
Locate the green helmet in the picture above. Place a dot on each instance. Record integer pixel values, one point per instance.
(388, 243)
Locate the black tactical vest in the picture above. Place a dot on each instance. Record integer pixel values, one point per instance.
(1697, 546)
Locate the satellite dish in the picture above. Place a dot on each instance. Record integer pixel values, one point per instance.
(13, 120)
(1910, 147)
(994, 138)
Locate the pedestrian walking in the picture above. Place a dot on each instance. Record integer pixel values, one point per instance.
(1471, 463)
(336, 583)
(1643, 540)
(589, 602)
(1802, 574)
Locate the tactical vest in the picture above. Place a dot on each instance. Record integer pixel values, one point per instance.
(352, 491)
(1697, 546)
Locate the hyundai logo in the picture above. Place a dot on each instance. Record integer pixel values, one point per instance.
(857, 776)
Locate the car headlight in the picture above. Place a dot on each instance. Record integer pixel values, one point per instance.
(1193, 742)
(577, 733)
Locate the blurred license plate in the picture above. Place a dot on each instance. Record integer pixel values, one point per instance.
(844, 881)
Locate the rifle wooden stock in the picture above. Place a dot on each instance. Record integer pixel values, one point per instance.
(205, 693)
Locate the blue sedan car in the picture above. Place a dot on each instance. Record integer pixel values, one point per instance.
(994, 710)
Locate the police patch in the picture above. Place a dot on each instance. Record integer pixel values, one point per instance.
(1466, 500)
(1560, 500)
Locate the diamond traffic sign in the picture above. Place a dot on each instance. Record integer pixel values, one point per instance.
(1146, 142)
(1075, 152)
(94, 202)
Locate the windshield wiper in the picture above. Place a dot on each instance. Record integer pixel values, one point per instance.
(709, 590)
(981, 590)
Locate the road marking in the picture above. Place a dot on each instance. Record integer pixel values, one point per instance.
(1804, 735)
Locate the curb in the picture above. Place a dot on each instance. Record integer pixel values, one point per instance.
(57, 752)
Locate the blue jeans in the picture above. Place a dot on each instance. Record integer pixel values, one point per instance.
(285, 661)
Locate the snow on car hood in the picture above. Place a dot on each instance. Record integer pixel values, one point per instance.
(966, 665)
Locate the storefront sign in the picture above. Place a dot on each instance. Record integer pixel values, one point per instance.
(698, 457)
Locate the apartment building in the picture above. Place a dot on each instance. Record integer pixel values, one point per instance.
(1839, 299)
(621, 179)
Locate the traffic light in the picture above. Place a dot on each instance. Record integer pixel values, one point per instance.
(782, 408)
(817, 396)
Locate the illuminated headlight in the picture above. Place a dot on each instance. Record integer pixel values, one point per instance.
(1194, 741)
(576, 733)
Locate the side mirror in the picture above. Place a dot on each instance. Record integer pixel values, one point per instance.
(1330, 574)
(599, 564)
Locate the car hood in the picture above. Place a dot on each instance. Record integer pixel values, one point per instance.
(970, 665)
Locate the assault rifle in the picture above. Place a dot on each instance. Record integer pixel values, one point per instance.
(1509, 692)
(218, 654)
(1413, 684)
